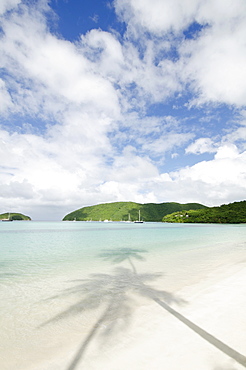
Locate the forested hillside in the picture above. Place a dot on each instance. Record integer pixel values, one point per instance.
(121, 211)
(233, 213)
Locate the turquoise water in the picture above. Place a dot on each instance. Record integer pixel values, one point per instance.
(40, 261)
(39, 248)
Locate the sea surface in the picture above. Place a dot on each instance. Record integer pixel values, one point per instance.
(57, 277)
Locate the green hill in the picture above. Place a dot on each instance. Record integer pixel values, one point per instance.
(14, 217)
(118, 211)
(233, 213)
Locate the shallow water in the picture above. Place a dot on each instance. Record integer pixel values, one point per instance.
(56, 277)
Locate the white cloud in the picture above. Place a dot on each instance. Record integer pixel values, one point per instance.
(136, 72)
(174, 155)
(105, 50)
(218, 181)
(213, 63)
(202, 145)
(237, 135)
(167, 142)
(216, 65)
(5, 98)
(6, 5)
(216, 61)
(212, 182)
(16, 189)
(131, 168)
(50, 73)
(157, 16)
(221, 11)
(228, 151)
(228, 166)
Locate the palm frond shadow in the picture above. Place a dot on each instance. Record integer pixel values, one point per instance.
(119, 255)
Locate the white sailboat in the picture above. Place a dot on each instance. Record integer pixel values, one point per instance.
(139, 221)
(129, 218)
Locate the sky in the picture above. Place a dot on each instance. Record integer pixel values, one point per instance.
(121, 100)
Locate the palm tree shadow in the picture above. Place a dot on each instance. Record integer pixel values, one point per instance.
(116, 298)
(122, 254)
(113, 293)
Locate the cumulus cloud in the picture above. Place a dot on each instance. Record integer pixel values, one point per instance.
(222, 179)
(216, 64)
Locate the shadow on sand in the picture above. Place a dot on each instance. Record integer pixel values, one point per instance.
(225, 368)
(112, 293)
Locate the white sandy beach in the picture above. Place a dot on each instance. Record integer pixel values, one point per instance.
(181, 309)
(155, 339)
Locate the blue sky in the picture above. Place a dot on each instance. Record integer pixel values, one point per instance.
(103, 101)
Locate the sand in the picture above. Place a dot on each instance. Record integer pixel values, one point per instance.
(201, 326)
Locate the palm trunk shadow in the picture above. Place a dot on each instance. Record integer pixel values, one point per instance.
(80, 352)
(238, 357)
(132, 265)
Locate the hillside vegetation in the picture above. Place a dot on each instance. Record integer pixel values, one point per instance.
(233, 213)
(119, 211)
(15, 217)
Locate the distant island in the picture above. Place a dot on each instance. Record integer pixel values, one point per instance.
(124, 211)
(233, 213)
(14, 217)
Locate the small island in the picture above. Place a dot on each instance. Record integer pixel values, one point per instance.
(14, 217)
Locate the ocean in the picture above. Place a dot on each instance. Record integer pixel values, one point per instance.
(57, 278)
